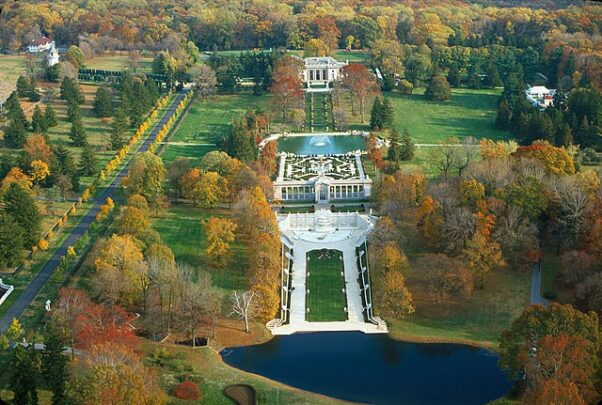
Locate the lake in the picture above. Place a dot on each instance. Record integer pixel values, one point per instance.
(321, 144)
(375, 368)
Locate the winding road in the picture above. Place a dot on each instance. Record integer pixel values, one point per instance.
(28, 295)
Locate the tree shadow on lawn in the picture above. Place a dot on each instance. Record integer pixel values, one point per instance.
(462, 127)
(468, 101)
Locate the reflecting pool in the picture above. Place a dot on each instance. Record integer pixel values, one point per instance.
(321, 144)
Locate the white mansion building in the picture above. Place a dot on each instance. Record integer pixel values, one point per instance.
(321, 72)
(321, 178)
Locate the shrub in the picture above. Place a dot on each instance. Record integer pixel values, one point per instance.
(405, 87)
(187, 390)
(43, 244)
(438, 89)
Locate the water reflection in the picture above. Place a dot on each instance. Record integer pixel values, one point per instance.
(376, 369)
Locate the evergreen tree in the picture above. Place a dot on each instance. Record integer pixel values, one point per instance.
(78, 133)
(376, 114)
(74, 112)
(54, 366)
(38, 121)
(23, 87)
(33, 94)
(15, 135)
(566, 136)
(19, 204)
(11, 241)
(62, 162)
(240, 144)
(103, 103)
(152, 90)
(118, 128)
(453, 77)
(24, 379)
(70, 91)
(388, 113)
(407, 146)
(502, 120)
(394, 152)
(88, 164)
(14, 109)
(50, 117)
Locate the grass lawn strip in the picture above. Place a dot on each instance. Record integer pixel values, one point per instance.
(325, 283)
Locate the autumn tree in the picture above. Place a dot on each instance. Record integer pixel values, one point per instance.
(360, 83)
(122, 272)
(146, 175)
(219, 236)
(242, 306)
(443, 275)
(132, 221)
(163, 274)
(37, 148)
(315, 47)
(517, 344)
(391, 296)
(286, 88)
(204, 78)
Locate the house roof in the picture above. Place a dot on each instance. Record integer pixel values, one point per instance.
(322, 61)
(538, 89)
(40, 41)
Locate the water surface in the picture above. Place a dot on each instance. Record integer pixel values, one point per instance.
(321, 144)
(376, 369)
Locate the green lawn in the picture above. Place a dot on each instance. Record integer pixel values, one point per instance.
(180, 228)
(481, 319)
(12, 66)
(468, 113)
(208, 122)
(119, 63)
(325, 297)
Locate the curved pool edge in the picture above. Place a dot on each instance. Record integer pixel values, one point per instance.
(278, 384)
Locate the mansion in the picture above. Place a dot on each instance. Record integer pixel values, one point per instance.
(321, 178)
(321, 72)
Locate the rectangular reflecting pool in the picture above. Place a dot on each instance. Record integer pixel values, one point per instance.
(321, 144)
(376, 369)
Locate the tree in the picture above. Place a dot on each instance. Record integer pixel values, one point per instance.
(315, 47)
(205, 80)
(376, 115)
(39, 171)
(443, 275)
(12, 240)
(417, 69)
(286, 86)
(242, 306)
(88, 163)
(103, 103)
(50, 117)
(76, 57)
(38, 122)
(219, 235)
(132, 221)
(118, 128)
(77, 134)
(122, 271)
(482, 255)
(23, 87)
(71, 92)
(15, 111)
(361, 83)
(15, 135)
(19, 204)
(240, 143)
(187, 390)
(146, 175)
(392, 298)
(25, 375)
(406, 148)
(535, 323)
(54, 366)
(502, 120)
(438, 89)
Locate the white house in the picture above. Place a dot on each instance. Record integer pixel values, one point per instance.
(321, 72)
(52, 56)
(540, 96)
(42, 44)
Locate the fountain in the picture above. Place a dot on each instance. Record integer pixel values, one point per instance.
(319, 141)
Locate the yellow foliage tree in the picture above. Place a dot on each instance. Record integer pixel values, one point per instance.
(220, 235)
(43, 244)
(39, 171)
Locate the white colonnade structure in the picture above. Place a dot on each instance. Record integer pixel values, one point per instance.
(342, 231)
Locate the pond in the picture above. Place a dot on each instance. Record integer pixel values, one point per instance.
(321, 144)
(375, 368)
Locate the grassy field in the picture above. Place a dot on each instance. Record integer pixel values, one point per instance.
(119, 63)
(204, 366)
(208, 122)
(11, 67)
(180, 228)
(325, 283)
(478, 320)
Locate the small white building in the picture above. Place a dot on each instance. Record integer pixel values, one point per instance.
(52, 57)
(321, 178)
(42, 44)
(321, 72)
(540, 96)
